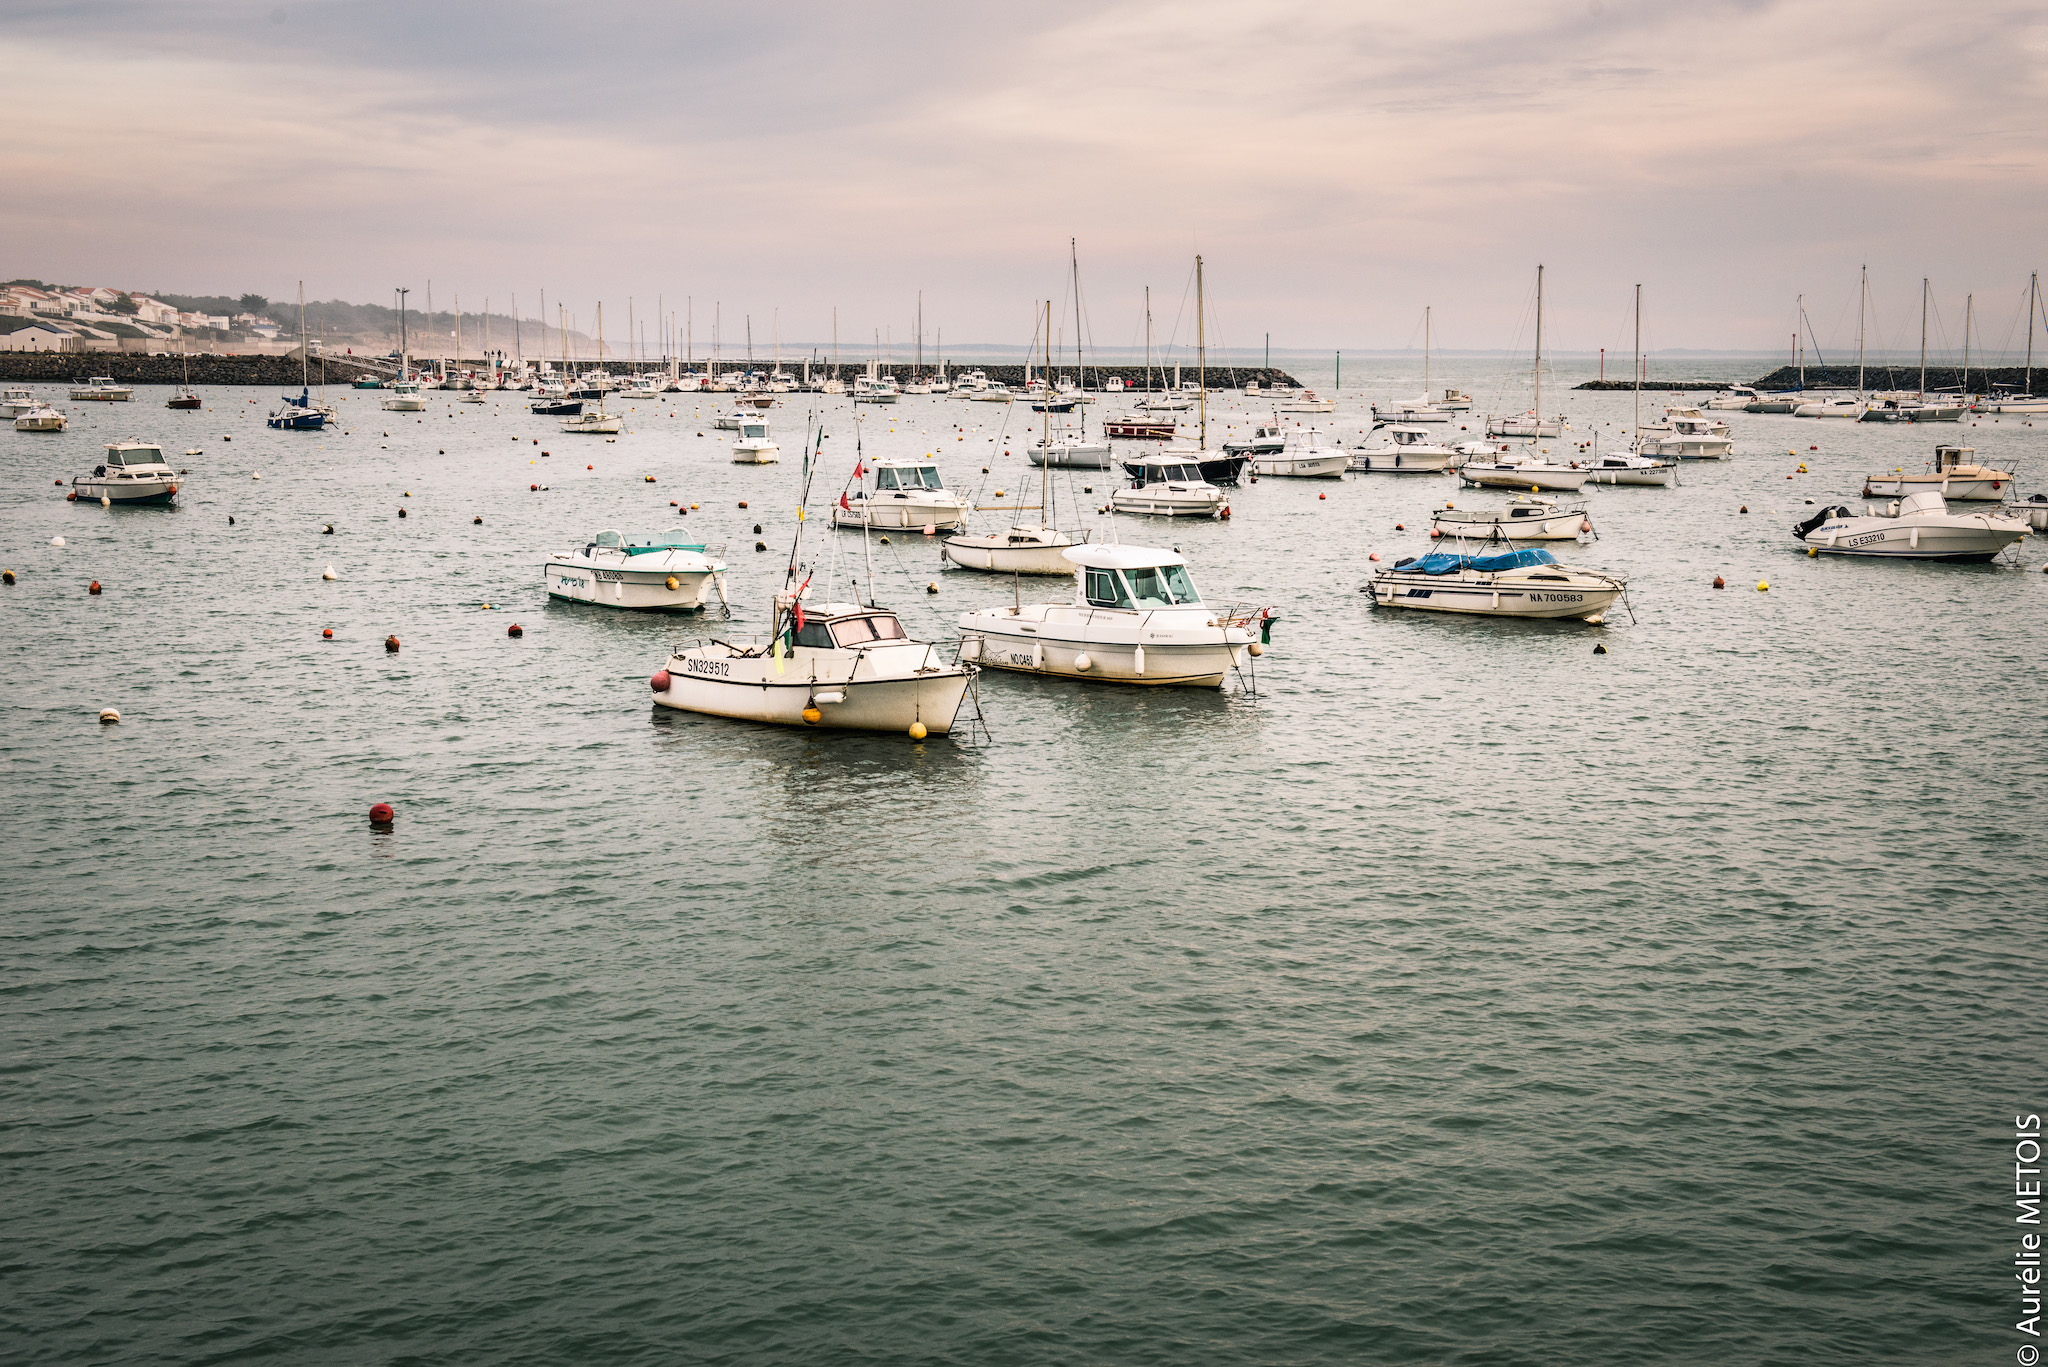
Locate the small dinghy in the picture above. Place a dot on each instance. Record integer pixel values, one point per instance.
(668, 573)
(134, 474)
(1917, 527)
(1521, 583)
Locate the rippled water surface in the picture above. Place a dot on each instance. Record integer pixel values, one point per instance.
(1464, 997)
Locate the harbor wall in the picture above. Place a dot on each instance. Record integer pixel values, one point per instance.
(1906, 377)
(62, 367)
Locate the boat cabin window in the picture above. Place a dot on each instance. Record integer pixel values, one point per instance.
(1104, 590)
(859, 631)
(609, 539)
(816, 634)
(753, 429)
(148, 455)
(917, 477)
(1162, 586)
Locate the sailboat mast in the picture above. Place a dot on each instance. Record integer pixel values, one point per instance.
(458, 330)
(305, 374)
(1426, 391)
(518, 341)
(1201, 360)
(1080, 365)
(1045, 442)
(1148, 339)
(1802, 344)
(1923, 338)
(1862, 299)
(1537, 430)
(917, 366)
(2033, 295)
(1639, 366)
(1969, 312)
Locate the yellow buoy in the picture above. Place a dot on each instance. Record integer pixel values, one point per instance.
(917, 731)
(1812, 551)
(674, 583)
(1256, 648)
(812, 716)
(1763, 586)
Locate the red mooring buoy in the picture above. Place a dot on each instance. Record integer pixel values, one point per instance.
(382, 815)
(659, 683)
(327, 634)
(391, 644)
(95, 589)
(515, 630)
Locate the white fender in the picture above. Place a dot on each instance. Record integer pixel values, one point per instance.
(1139, 659)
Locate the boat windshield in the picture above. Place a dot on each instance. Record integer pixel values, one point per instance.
(1104, 590)
(754, 429)
(147, 455)
(919, 477)
(1162, 586)
(856, 631)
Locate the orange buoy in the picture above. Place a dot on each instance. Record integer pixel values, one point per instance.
(95, 589)
(659, 683)
(327, 634)
(477, 521)
(391, 644)
(743, 503)
(590, 467)
(515, 630)
(382, 815)
(71, 497)
(1322, 495)
(60, 483)
(533, 488)
(1744, 508)
(401, 512)
(1400, 526)
(1374, 556)
(1719, 582)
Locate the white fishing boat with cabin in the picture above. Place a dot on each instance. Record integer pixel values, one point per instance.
(754, 446)
(41, 418)
(906, 494)
(1526, 469)
(667, 573)
(1135, 618)
(16, 400)
(1169, 484)
(134, 473)
(1956, 476)
(1527, 517)
(1303, 455)
(101, 389)
(1413, 452)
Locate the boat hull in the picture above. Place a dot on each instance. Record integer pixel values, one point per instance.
(631, 590)
(997, 555)
(1146, 502)
(1550, 480)
(1663, 477)
(1479, 595)
(1330, 465)
(761, 453)
(592, 425)
(125, 493)
(1954, 545)
(748, 688)
(1523, 427)
(1077, 456)
(887, 514)
(1564, 526)
(1193, 665)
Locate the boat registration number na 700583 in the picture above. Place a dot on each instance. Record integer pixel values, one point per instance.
(1558, 597)
(707, 666)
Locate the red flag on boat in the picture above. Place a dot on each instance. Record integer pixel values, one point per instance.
(858, 472)
(842, 501)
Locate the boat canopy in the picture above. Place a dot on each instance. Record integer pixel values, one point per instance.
(1121, 557)
(676, 540)
(1926, 501)
(1447, 562)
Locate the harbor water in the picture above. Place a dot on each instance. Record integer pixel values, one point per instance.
(1462, 996)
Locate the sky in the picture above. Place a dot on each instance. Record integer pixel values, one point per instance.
(1339, 167)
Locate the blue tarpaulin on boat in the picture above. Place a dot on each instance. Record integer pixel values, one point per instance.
(1439, 562)
(1512, 560)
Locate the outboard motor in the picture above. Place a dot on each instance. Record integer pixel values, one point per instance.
(1823, 515)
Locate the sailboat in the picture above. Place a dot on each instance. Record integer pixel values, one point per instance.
(405, 396)
(1142, 424)
(2025, 402)
(1637, 466)
(598, 423)
(1531, 424)
(848, 665)
(1021, 549)
(1172, 483)
(1842, 406)
(300, 414)
(1070, 451)
(184, 398)
(1424, 409)
(1917, 408)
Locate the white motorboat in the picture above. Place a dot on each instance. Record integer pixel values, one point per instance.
(1164, 403)
(1014, 550)
(668, 573)
(1520, 470)
(41, 418)
(1734, 397)
(906, 494)
(101, 389)
(1267, 439)
(829, 665)
(2019, 404)
(1691, 437)
(1410, 411)
(1516, 583)
(1841, 406)
(754, 446)
(404, 396)
(1169, 484)
(474, 396)
(1135, 618)
(643, 390)
(1412, 453)
(133, 473)
(2032, 510)
(15, 401)
(875, 389)
(1956, 476)
(730, 422)
(1525, 425)
(1527, 517)
(1305, 402)
(1624, 467)
(1303, 455)
(1916, 527)
(1070, 454)
(991, 392)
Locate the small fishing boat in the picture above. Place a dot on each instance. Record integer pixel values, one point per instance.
(1135, 618)
(17, 400)
(1057, 403)
(2032, 510)
(599, 423)
(754, 446)
(134, 473)
(1916, 527)
(366, 381)
(992, 391)
(1735, 396)
(1527, 517)
(1516, 583)
(1139, 427)
(839, 665)
(1266, 440)
(1688, 436)
(1842, 406)
(405, 396)
(1170, 484)
(1956, 476)
(556, 405)
(1305, 402)
(668, 573)
(906, 493)
(1164, 403)
(1525, 425)
(1412, 453)
(1786, 402)
(1520, 470)
(474, 396)
(1410, 411)
(41, 418)
(184, 400)
(877, 389)
(101, 389)
(1303, 455)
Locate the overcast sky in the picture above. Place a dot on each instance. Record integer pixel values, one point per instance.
(1339, 166)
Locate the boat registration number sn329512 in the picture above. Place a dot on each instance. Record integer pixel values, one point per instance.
(707, 666)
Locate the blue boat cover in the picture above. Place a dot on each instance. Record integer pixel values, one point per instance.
(1512, 560)
(1440, 562)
